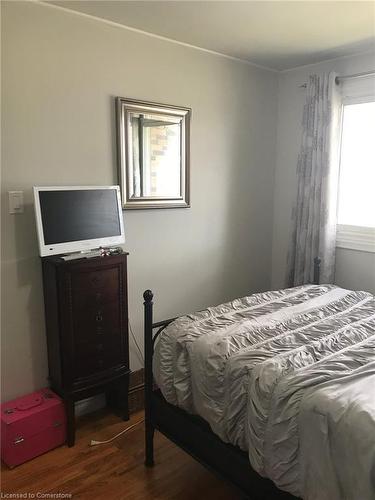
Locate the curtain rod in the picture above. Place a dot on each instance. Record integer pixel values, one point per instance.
(356, 75)
(346, 77)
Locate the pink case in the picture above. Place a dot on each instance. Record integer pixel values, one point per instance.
(31, 425)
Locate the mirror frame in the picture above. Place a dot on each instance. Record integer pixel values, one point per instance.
(126, 106)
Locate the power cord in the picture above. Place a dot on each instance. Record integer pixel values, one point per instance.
(94, 442)
(136, 343)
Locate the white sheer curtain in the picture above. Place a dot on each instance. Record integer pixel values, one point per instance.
(314, 212)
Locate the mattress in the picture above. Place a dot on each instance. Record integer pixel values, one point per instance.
(289, 377)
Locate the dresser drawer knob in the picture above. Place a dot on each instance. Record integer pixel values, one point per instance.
(19, 440)
(95, 280)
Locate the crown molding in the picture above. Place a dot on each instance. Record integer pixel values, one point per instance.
(152, 35)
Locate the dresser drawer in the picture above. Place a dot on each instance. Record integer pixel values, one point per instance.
(96, 288)
(93, 322)
(93, 361)
(99, 347)
(94, 366)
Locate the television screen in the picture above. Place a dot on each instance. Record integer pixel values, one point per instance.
(69, 219)
(79, 215)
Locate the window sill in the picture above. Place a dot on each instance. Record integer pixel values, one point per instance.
(356, 238)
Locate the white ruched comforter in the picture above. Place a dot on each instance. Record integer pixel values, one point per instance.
(289, 377)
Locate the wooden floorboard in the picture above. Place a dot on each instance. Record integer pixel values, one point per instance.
(115, 470)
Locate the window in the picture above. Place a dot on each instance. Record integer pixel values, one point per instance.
(356, 197)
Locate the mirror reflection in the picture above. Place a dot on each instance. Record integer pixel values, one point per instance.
(156, 154)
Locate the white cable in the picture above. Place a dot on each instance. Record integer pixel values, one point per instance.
(135, 342)
(94, 443)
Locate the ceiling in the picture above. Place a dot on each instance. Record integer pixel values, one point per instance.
(278, 35)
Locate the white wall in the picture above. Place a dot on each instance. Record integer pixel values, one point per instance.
(354, 269)
(60, 73)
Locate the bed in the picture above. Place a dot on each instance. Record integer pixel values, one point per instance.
(275, 392)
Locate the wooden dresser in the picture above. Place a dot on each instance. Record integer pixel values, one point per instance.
(86, 309)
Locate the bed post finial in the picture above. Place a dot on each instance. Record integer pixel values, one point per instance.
(148, 296)
(148, 346)
(316, 279)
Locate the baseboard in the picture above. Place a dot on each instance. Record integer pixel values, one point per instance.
(136, 397)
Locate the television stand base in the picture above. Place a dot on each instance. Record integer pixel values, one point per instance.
(98, 252)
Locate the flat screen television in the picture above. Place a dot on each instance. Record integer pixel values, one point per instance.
(78, 218)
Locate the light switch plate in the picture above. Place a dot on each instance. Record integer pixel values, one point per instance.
(15, 202)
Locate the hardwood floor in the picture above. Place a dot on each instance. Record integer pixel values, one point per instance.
(114, 471)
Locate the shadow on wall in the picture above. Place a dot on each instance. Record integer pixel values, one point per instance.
(247, 263)
(113, 129)
(29, 279)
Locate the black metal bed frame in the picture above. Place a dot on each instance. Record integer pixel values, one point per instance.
(192, 433)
